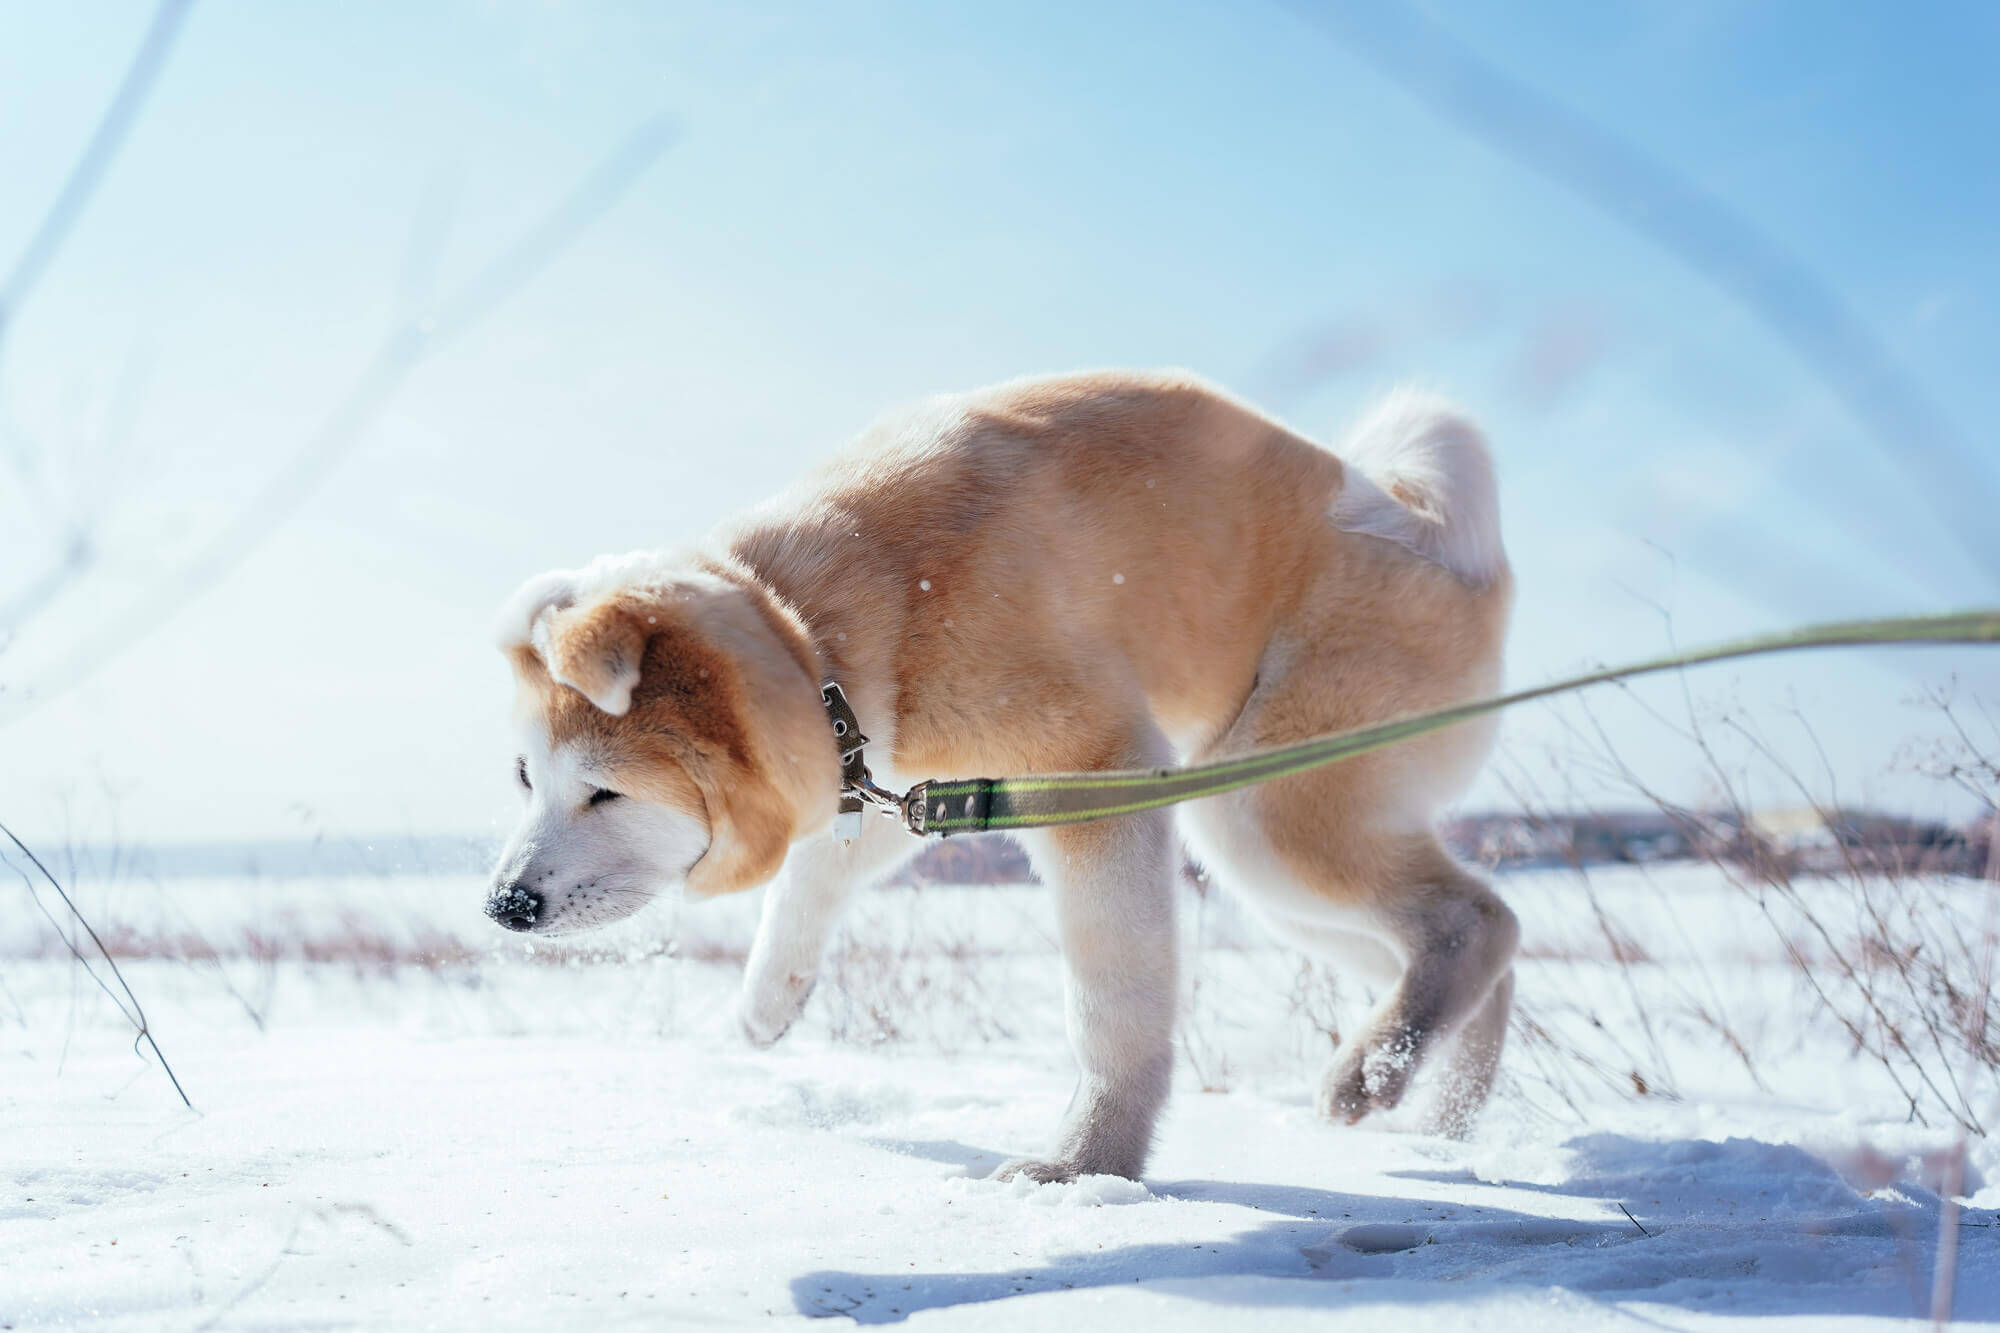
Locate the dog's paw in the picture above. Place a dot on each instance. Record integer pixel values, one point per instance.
(1365, 1078)
(763, 1038)
(1343, 1093)
(767, 1013)
(1038, 1169)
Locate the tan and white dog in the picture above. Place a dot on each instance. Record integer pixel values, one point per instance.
(1090, 571)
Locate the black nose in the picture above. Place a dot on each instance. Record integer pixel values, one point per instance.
(515, 907)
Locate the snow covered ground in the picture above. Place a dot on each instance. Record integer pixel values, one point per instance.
(402, 1120)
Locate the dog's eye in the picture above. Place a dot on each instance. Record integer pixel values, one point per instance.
(521, 772)
(600, 796)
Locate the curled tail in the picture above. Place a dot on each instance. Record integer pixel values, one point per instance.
(1418, 474)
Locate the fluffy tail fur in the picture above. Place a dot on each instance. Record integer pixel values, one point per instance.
(1418, 474)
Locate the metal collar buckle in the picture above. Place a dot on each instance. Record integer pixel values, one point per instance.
(857, 787)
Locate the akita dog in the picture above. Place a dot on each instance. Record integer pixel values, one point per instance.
(1090, 571)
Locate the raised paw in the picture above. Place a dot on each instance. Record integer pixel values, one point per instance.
(768, 1012)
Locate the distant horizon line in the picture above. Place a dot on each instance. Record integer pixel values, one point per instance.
(473, 853)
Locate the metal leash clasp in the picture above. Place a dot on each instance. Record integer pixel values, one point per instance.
(912, 808)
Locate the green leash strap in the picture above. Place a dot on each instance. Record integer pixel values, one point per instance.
(976, 805)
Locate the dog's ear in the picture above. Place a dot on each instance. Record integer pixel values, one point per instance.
(595, 649)
(749, 834)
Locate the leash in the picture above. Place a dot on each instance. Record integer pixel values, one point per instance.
(940, 808)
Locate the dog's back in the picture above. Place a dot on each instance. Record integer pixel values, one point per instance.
(1144, 531)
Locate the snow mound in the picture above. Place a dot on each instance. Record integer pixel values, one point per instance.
(1083, 1192)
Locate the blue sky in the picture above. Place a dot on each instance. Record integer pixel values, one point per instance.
(865, 204)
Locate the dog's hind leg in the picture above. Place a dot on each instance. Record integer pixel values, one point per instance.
(1473, 1064)
(1459, 940)
(1390, 905)
(800, 909)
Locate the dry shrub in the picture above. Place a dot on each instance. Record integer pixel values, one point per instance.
(1890, 941)
(914, 981)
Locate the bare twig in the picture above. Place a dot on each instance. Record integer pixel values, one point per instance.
(1944, 1274)
(91, 164)
(74, 529)
(1694, 226)
(86, 173)
(415, 338)
(129, 1006)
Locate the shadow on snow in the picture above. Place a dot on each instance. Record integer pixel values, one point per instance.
(1740, 1226)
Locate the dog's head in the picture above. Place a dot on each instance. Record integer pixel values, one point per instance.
(670, 735)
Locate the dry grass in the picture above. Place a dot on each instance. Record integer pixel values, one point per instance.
(913, 979)
(1898, 957)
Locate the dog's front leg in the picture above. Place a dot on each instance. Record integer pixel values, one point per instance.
(800, 909)
(1114, 884)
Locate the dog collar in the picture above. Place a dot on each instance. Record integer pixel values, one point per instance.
(857, 787)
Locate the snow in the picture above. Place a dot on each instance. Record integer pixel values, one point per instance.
(404, 1119)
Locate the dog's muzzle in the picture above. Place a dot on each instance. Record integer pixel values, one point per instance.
(515, 907)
